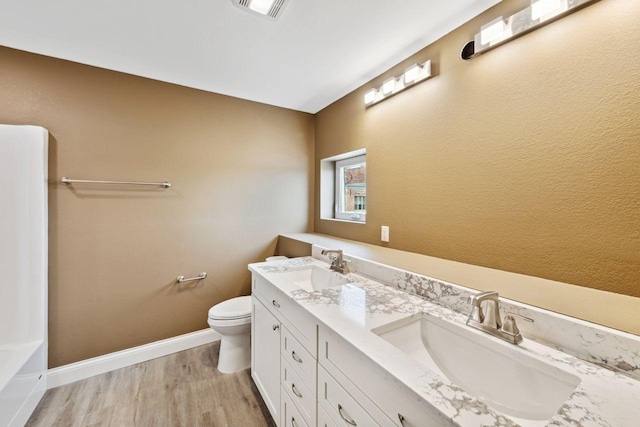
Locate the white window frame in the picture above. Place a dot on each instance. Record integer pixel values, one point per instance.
(328, 186)
(339, 212)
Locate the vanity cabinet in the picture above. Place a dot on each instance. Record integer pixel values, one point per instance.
(283, 355)
(365, 394)
(309, 376)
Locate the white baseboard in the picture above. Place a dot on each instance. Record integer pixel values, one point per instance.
(99, 365)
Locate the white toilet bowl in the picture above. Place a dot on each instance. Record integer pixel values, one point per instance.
(232, 320)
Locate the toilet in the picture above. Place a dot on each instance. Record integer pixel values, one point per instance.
(232, 320)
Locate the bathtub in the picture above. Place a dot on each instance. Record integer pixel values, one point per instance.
(23, 271)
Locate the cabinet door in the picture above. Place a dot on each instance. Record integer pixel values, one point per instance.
(265, 356)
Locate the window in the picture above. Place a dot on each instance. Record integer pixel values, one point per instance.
(343, 187)
(351, 188)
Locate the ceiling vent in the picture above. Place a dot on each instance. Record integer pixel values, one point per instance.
(270, 9)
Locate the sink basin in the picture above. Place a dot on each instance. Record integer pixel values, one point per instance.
(501, 375)
(314, 278)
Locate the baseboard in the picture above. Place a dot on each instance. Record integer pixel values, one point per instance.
(66, 374)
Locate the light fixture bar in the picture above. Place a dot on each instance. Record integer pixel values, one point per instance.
(413, 75)
(501, 30)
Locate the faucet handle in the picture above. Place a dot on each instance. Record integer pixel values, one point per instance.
(335, 260)
(345, 266)
(509, 325)
(476, 313)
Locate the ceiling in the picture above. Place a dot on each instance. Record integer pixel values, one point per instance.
(314, 54)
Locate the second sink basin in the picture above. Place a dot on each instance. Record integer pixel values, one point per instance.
(499, 374)
(314, 278)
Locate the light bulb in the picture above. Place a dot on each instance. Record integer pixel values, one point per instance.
(492, 32)
(388, 86)
(543, 8)
(370, 96)
(412, 74)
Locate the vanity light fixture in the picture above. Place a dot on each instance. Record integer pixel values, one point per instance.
(501, 30)
(413, 75)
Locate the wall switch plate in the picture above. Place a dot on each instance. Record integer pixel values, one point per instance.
(384, 233)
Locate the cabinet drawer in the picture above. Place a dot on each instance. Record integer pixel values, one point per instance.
(358, 374)
(299, 358)
(324, 420)
(299, 393)
(289, 414)
(300, 324)
(342, 406)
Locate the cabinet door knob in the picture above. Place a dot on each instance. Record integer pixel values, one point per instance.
(347, 419)
(275, 303)
(275, 327)
(296, 357)
(295, 390)
(401, 418)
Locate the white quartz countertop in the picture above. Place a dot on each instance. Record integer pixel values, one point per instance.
(603, 397)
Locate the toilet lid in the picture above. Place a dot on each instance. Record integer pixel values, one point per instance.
(234, 308)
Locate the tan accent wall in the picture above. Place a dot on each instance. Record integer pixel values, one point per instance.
(241, 173)
(525, 159)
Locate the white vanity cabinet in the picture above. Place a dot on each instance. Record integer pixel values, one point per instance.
(283, 355)
(309, 376)
(351, 387)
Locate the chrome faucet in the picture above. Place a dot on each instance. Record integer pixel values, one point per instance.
(337, 262)
(489, 320)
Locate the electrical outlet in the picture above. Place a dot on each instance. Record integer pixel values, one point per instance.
(384, 233)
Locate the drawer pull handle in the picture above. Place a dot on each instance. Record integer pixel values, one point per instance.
(347, 419)
(296, 357)
(293, 422)
(276, 327)
(295, 391)
(275, 303)
(401, 418)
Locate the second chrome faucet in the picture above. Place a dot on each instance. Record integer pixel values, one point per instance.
(488, 319)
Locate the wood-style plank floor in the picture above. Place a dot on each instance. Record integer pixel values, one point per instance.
(180, 390)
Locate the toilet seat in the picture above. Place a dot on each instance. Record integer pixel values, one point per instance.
(233, 309)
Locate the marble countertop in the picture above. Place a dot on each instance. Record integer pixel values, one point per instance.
(603, 397)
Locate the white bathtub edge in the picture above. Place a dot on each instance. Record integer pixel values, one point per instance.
(77, 371)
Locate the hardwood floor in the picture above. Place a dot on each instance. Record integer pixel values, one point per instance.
(183, 389)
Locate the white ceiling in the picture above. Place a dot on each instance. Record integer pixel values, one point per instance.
(317, 52)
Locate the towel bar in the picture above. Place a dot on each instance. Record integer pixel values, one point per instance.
(67, 181)
(181, 279)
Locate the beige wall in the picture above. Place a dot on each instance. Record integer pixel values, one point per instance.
(525, 159)
(240, 174)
